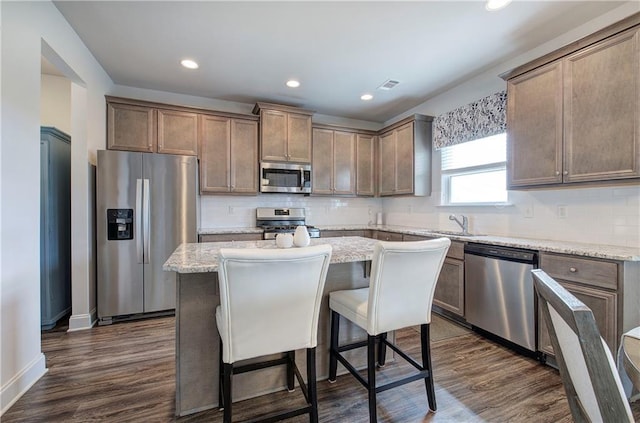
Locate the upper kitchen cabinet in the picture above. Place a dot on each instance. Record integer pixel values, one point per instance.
(228, 155)
(366, 165)
(134, 125)
(334, 162)
(285, 133)
(573, 115)
(130, 127)
(405, 157)
(177, 132)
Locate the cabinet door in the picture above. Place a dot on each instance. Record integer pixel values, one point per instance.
(534, 126)
(344, 161)
(387, 164)
(299, 138)
(215, 150)
(404, 159)
(177, 132)
(244, 156)
(131, 128)
(602, 105)
(365, 165)
(273, 135)
(602, 303)
(322, 168)
(449, 293)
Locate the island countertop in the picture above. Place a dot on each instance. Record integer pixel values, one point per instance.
(203, 257)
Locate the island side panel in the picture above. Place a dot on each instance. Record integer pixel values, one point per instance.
(197, 342)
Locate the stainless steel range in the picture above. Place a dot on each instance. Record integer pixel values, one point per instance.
(275, 221)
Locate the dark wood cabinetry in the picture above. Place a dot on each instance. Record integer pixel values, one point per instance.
(572, 116)
(134, 125)
(404, 159)
(285, 133)
(334, 162)
(228, 155)
(595, 283)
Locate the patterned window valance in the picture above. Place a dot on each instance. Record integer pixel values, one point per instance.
(479, 119)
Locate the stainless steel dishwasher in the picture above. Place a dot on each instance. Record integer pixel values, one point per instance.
(499, 296)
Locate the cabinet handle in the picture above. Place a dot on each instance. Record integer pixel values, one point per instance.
(566, 172)
(557, 172)
(573, 270)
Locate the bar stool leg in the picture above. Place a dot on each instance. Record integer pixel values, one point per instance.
(228, 369)
(333, 351)
(426, 363)
(371, 374)
(220, 379)
(382, 349)
(291, 358)
(311, 385)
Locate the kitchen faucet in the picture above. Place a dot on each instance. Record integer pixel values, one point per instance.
(464, 224)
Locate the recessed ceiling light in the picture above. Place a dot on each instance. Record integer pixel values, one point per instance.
(292, 83)
(493, 5)
(366, 97)
(189, 64)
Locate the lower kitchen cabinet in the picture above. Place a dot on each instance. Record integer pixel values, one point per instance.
(595, 283)
(449, 294)
(387, 236)
(229, 237)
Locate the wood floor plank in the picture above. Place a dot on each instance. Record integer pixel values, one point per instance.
(125, 373)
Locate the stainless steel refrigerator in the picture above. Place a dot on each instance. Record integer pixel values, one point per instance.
(145, 208)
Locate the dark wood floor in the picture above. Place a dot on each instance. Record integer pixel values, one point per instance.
(125, 373)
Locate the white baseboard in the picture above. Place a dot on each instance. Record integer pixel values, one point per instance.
(20, 383)
(82, 321)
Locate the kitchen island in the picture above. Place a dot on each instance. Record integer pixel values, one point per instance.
(197, 339)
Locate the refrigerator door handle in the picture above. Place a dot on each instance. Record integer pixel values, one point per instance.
(138, 218)
(146, 220)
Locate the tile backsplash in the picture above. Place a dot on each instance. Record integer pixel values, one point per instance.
(604, 215)
(239, 211)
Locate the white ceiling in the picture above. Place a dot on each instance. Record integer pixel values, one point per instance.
(337, 50)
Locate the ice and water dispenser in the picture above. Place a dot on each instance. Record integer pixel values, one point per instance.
(119, 224)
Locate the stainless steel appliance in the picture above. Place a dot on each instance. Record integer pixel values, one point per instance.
(285, 177)
(499, 296)
(282, 220)
(145, 208)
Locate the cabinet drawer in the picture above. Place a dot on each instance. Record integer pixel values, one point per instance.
(388, 236)
(230, 237)
(598, 273)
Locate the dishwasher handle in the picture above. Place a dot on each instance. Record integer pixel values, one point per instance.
(502, 253)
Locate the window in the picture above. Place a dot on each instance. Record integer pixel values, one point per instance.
(474, 172)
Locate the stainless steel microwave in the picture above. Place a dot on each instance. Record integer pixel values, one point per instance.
(285, 177)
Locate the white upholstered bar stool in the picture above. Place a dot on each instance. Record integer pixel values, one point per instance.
(587, 369)
(400, 294)
(269, 304)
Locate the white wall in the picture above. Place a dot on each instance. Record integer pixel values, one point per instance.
(29, 29)
(55, 102)
(604, 215)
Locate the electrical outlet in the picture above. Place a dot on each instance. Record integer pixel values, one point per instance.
(563, 212)
(528, 211)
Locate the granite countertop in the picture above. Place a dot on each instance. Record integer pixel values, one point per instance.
(611, 252)
(203, 257)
